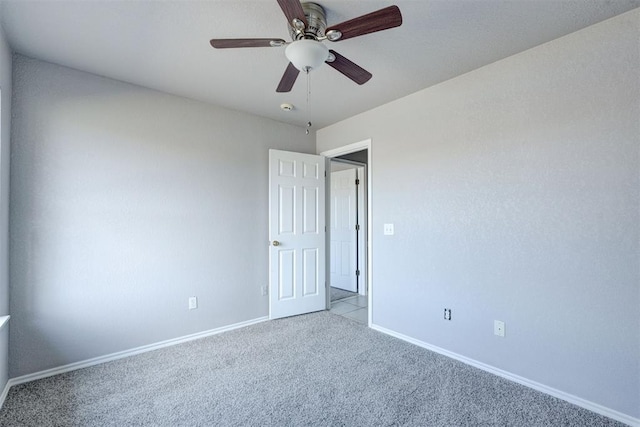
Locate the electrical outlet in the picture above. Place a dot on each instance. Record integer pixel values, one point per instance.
(264, 290)
(447, 314)
(498, 328)
(389, 230)
(193, 303)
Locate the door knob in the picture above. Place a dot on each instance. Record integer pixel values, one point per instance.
(275, 243)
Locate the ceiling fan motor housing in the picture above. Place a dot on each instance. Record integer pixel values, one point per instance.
(317, 23)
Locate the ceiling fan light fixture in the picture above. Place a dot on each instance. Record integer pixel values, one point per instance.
(306, 55)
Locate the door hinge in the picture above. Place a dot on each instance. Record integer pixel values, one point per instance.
(325, 174)
(357, 181)
(357, 227)
(357, 272)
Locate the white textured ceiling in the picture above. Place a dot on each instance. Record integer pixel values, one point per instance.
(164, 45)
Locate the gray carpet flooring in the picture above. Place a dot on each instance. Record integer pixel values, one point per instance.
(338, 294)
(313, 370)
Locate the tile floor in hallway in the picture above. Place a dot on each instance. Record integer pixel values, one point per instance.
(354, 308)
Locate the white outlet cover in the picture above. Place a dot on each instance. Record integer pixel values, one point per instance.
(193, 303)
(498, 328)
(388, 230)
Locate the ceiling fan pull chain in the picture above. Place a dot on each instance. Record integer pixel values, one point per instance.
(308, 104)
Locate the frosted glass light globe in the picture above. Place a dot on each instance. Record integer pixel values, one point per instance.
(306, 55)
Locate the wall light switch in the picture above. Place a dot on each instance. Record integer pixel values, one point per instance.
(388, 230)
(498, 328)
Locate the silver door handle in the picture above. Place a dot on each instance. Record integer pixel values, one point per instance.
(275, 243)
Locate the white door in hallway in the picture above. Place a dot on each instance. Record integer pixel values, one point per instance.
(296, 233)
(343, 250)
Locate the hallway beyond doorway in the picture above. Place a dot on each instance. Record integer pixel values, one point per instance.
(354, 308)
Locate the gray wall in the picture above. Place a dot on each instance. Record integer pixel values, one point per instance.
(5, 135)
(514, 190)
(125, 202)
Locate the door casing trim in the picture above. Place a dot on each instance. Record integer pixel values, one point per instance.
(339, 151)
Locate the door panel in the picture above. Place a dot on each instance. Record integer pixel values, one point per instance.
(310, 210)
(286, 278)
(286, 214)
(297, 223)
(310, 274)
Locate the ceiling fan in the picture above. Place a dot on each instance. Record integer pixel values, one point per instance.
(308, 29)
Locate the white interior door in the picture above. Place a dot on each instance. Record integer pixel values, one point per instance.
(297, 233)
(343, 264)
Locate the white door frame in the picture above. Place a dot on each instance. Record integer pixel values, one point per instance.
(338, 279)
(363, 236)
(361, 172)
(340, 151)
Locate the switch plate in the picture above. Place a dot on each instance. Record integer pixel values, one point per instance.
(264, 290)
(498, 328)
(388, 230)
(193, 303)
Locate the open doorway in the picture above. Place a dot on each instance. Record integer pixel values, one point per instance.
(348, 235)
(299, 256)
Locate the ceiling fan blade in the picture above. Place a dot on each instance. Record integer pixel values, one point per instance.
(288, 78)
(382, 19)
(231, 43)
(293, 10)
(350, 69)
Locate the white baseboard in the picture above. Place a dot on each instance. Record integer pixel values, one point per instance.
(5, 391)
(123, 354)
(594, 407)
